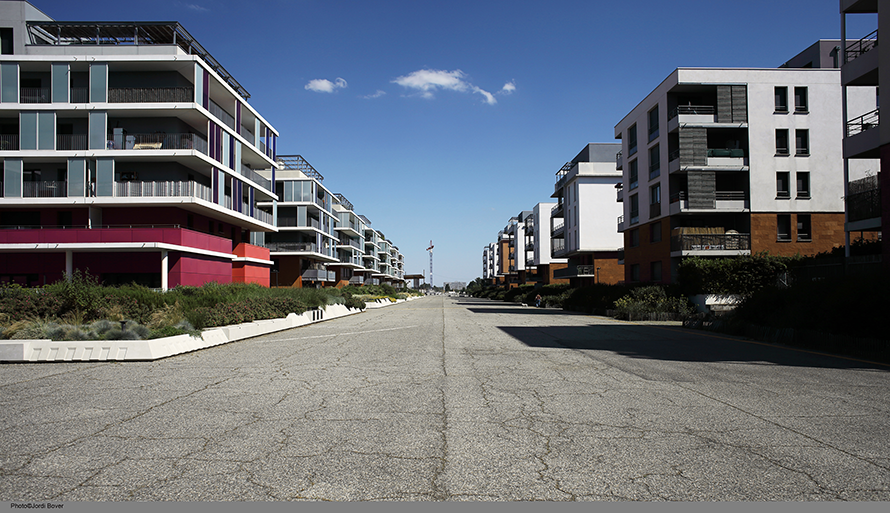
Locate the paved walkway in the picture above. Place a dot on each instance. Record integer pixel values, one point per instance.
(452, 399)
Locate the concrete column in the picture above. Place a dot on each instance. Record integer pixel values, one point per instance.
(69, 264)
(164, 264)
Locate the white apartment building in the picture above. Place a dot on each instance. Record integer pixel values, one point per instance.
(723, 162)
(583, 220)
(541, 255)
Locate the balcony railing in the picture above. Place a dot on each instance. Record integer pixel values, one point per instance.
(720, 196)
(151, 95)
(79, 95)
(222, 115)
(620, 221)
(557, 211)
(9, 142)
(712, 242)
(256, 177)
(319, 275)
(135, 189)
(48, 189)
(862, 46)
(864, 122)
(162, 141)
(864, 199)
(619, 160)
(291, 247)
(693, 110)
(67, 142)
(34, 95)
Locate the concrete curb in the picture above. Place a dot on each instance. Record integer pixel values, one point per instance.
(138, 350)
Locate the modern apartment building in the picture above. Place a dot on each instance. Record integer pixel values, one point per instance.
(306, 241)
(489, 263)
(865, 65)
(129, 151)
(542, 258)
(583, 220)
(725, 162)
(350, 245)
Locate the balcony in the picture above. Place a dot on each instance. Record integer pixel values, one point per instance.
(557, 248)
(619, 188)
(67, 142)
(291, 247)
(79, 95)
(9, 142)
(319, 275)
(863, 203)
(862, 136)
(250, 174)
(861, 47)
(691, 115)
(619, 161)
(47, 189)
(725, 201)
(557, 211)
(621, 223)
(34, 95)
(578, 271)
(151, 95)
(725, 244)
(161, 141)
(558, 230)
(134, 189)
(716, 159)
(222, 115)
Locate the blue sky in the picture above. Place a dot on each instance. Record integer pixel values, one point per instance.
(439, 120)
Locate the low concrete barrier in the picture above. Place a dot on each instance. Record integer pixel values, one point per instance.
(129, 350)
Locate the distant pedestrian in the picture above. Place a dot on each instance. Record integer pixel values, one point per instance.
(538, 301)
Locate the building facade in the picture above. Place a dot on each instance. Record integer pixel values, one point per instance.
(865, 65)
(128, 151)
(727, 162)
(583, 220)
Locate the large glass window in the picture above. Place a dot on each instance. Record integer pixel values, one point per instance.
(634, 173)
(632, 140)
(654, 162)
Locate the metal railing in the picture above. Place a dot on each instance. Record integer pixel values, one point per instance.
(319, 275)
(619, 162)
(703, 110)
(291, 247)
(163, 141)
(711, 242)
(9, 142)
(620, 221)
(557, 210)
(863, 199)
(860, 47)
(151, 95)
(720, 196)
(68, 142)
(222, 115)
(34, 95)
(45, 189)
(256, 177)
(864, 122)
(134, 189)
(79, 95)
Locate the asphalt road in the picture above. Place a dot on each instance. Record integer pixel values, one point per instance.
(452, 399)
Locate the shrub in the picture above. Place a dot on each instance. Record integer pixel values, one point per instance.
(652, 301)
(741, 275)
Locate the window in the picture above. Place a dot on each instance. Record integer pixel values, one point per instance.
(783, 227)
(782, 190)
(634, 174)
(635, 272)
(800, 99)
(634, 238)
(804, 230)
(655, 271)
(6, 41)
(653, 123)
(631, 140)
(781, 99)
(654, 201)
(803, 185)
(782, 141)
(634, 209)
(802, 142)
(655, 232)
(654, 162)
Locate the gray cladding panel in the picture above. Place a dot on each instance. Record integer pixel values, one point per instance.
(702, 189)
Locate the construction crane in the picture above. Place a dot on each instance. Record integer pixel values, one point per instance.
(430, 249)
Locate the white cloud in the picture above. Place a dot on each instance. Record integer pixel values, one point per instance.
(323, 85)
(508, 88)
(378, 94)
(196, 7)
(427, 81)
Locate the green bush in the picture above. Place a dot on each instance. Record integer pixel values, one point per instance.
(594, 298)
(743, 275)
(652, 301)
